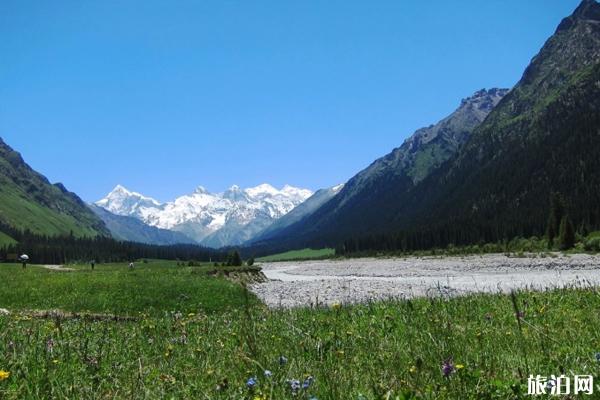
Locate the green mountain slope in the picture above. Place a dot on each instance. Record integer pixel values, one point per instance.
(29, 201)
(544, 137)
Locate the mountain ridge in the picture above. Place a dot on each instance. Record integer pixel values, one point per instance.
(364, 200)
(220, 219)
(29, 201)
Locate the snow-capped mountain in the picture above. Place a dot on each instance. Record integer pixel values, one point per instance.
(213, 219)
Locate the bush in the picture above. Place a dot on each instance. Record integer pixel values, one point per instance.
(592, 244)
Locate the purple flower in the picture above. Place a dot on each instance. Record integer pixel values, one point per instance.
(307, 382)
(447, 367)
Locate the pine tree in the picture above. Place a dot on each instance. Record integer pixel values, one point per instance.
(557, 210)
(567, 233)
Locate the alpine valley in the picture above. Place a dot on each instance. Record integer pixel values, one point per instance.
(485, 173)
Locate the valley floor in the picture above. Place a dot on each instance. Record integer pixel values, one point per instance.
(305, 283)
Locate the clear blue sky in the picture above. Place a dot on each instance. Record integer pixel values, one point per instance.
(162, 96)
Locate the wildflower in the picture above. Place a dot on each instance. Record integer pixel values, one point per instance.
(447, 367)
(294, 384)
(413, 369)
(459, 366)
(307, 382)
(251, 382)
(268, 373)
(50, 345)
(4, 374)
(597, 357)
(260, 397)
(336, 306)
(283, 360)
(55, 361)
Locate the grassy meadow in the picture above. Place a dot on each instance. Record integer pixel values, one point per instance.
(304, 254)
(193, 335)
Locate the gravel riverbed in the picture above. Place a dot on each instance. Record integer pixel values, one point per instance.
(309, 283)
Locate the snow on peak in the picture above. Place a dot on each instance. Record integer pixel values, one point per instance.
(203, 214)
(201, 190)
(263, 189)
(122, 201)
(337, 188)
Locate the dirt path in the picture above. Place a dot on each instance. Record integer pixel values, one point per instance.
(59, 268)
(358, 280)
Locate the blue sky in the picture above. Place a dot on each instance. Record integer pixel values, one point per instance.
(164, 96)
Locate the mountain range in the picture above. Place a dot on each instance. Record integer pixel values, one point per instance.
(211, 219)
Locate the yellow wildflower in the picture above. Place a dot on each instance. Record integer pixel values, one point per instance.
(336, 306)
(4, 374)
(459, 366)
(413, 369)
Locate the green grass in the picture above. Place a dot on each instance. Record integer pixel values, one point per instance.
(6, 240)
(197, 336)
(152, 288)
(387, 350)
(304, 254)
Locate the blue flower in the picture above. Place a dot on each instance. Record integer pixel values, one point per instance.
(307, 382)
(268, 373)
(282, 360)
(251, 382)
(597, 357)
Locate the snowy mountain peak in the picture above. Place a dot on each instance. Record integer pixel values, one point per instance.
(214, 219)
(263, 189)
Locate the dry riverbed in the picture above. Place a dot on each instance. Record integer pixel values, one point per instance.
(305, 283)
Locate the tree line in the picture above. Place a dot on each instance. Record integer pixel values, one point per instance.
(64, 249)
(559, 234)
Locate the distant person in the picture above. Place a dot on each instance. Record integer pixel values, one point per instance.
(131, 265)
(24, 258)
(93, 264)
